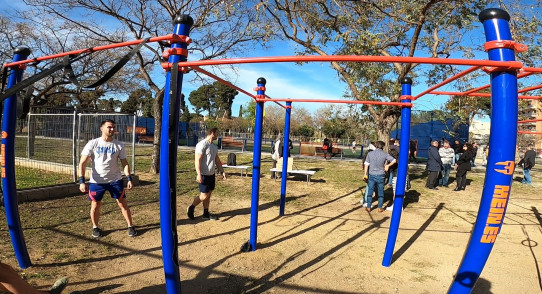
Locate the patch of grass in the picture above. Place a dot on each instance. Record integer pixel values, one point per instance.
(31, 178)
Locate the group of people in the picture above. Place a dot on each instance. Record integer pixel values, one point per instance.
(441, 157)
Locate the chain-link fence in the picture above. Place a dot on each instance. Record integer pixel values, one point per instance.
(49, 142)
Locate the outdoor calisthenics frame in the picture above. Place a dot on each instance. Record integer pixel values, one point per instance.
(497, 185)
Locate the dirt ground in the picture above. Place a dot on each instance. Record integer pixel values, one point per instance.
(326, 242)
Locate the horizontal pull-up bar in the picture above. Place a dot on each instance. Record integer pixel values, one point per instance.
(528, 121)
(529, 133)
(503, 65)
(447, 81)
(337, 101)
(97, 48)
(521, 75)
(196, 68)
(481, 95)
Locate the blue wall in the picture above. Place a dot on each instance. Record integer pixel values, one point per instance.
(434, 130)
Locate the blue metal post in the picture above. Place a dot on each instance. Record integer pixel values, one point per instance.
(168, 163)
(500, 165)
(402, 170)
(8, 164)
(285, 150)
(257, 156)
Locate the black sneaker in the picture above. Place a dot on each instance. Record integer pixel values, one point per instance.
(96, 233)
(209, 216)
(132, 231)
(190, 212)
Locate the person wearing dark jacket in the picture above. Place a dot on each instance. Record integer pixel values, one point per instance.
(527, 162)
(463, 164)
(458, 149)
(434, 165)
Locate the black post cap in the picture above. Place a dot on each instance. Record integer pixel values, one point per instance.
(492, 13)
(261, 81)
(183, 19)
(406, 80)
(22, 50)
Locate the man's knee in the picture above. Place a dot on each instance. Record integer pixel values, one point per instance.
(204, 196)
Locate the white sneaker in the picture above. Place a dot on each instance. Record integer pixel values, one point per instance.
(389, 208)
(365, 205)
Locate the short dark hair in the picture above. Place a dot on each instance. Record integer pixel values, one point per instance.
(380, 144)
(211, 131)
(107, 121)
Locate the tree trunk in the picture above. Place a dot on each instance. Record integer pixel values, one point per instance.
(157, 108)
(385, 122)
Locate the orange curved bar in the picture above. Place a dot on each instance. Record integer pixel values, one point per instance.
(196, 68)
(529, 133)
(447, 81)
(504, 65)
(336, 101)
(97, 48)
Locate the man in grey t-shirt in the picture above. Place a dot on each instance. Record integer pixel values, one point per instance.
(375, 168)
(205, 161)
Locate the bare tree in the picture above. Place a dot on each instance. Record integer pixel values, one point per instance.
(221, 29)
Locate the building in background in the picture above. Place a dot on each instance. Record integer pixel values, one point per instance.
(532, 111)
(479, 131)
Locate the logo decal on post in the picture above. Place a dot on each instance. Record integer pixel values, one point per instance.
(508, 167)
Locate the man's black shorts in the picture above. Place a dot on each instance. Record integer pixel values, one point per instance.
(207, 183)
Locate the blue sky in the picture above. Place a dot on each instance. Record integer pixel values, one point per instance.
(288, 80)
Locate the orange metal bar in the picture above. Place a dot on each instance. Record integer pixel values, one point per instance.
(530, 89)
(481, 95)
(338, 101)
(522, 75)
(447, 81)
(528, 121)
(532, 69)
(197, 68)
(504, 65)
(529, 133)
(97, 48)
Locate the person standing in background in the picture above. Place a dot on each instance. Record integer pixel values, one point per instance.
(447, 156)
(434, 165)
(528, 163)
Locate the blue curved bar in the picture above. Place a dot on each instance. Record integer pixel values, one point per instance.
(256, 167)
(285, 150)
(402, 169)
(9, 120)
(168, 164)
(500, 165)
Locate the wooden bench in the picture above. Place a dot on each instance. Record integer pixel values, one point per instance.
(230, 142)
(319, 151)
(145, 138)
(141, 134)
(239, 167)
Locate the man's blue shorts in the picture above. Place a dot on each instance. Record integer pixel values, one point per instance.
(207, 184)
(96, 191)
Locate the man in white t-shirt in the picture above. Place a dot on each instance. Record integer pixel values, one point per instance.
(105, 153)
(205, 161)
